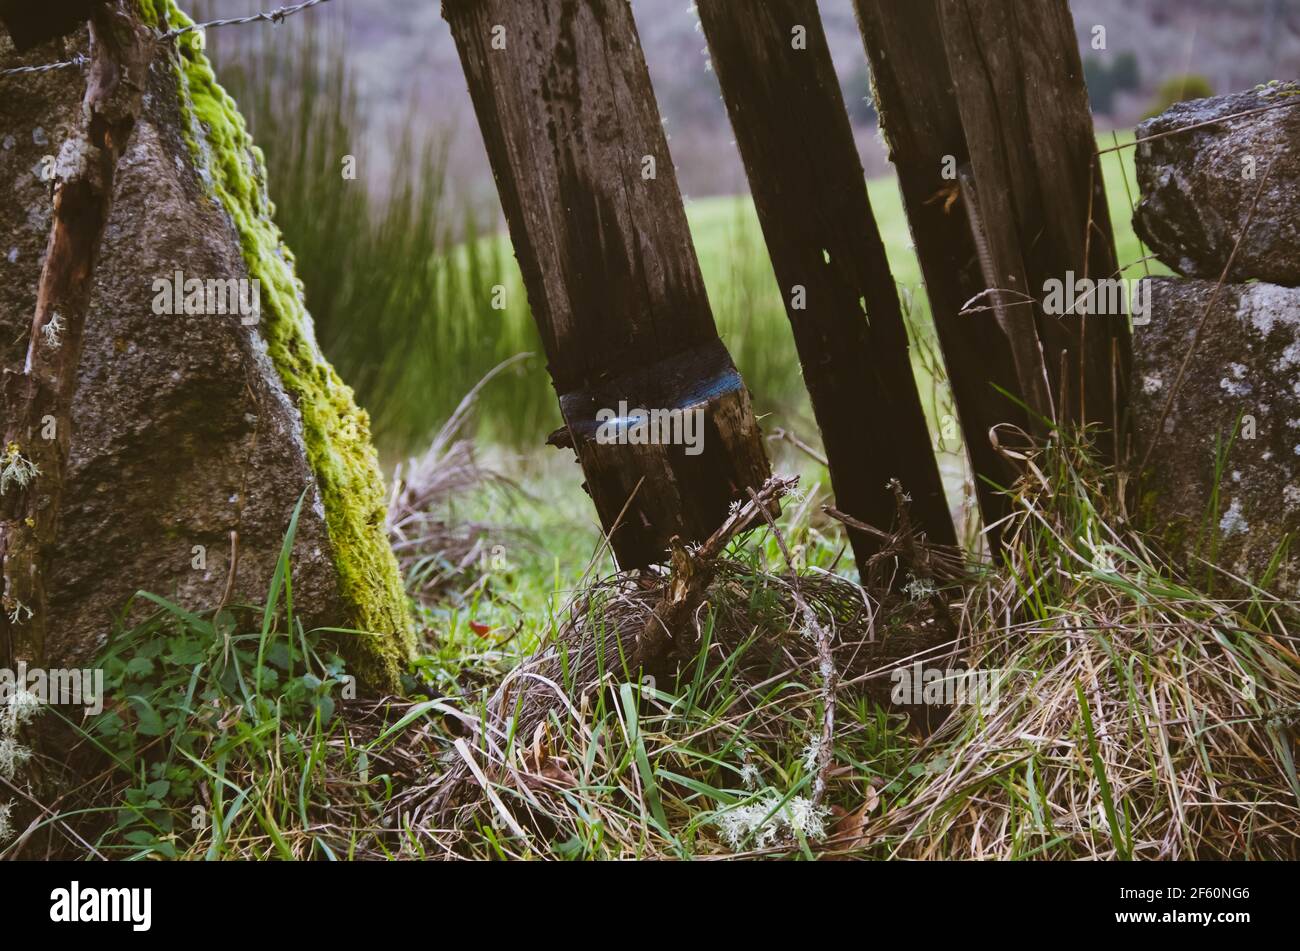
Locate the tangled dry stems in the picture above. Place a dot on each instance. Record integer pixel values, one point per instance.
(636, 625)
(1137, 718)
(432, 549)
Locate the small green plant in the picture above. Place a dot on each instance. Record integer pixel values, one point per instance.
(213, 725)
(1276, 87)
(1180, 89)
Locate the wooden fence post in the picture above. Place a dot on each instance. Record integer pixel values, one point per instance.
(922, 129)
(575, 139)
(1019, 87)
(794, 135)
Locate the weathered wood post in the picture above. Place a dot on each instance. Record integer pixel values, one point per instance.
(794, 135)
(576, 142)
(1019, 87)
(922, 129)
(986, 116)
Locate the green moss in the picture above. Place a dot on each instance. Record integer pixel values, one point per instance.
(336, 430)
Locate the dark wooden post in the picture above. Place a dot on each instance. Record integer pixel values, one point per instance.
(922, 129)
(564, 101)
(1018, 83)
(794, 135)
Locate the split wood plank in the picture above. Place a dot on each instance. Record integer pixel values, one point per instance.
(794, 135)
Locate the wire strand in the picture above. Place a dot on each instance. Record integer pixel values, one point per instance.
(276, 16)
(80, 60)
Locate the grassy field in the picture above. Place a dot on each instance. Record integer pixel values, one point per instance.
(1133, 717)
(747, 304)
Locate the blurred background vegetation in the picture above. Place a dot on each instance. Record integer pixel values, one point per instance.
(408, 272)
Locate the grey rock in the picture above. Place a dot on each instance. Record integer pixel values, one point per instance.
(182, 430)
(1234, 423)
(1197, 193)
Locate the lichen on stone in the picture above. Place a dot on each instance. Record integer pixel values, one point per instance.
(1233, 522)
(336, 431)
(1267, 305)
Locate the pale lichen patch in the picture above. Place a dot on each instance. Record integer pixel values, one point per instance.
(1234, 388)
(1291, 497)
(73, 158)
(1233, 522)
(1267, 305)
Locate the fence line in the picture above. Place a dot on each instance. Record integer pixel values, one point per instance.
(276, 16)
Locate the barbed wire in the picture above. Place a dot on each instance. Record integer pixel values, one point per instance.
(276, 16)
(81, 59)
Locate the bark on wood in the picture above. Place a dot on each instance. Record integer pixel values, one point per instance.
(1018, 84)
(39, 399)
(794, 135)
(923, 131)
(577, 147)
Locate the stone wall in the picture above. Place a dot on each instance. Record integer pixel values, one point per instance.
(1222, 481)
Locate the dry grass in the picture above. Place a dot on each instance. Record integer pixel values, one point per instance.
(1136, 718)
(434, 549)
(684, 714)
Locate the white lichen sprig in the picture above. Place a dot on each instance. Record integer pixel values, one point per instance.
(12, 755)
(52, 331)
(20, 707)
(812, 754)
(18, 612)
(15, 468)
(765, 821)
(919, 589)
(822, 635)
